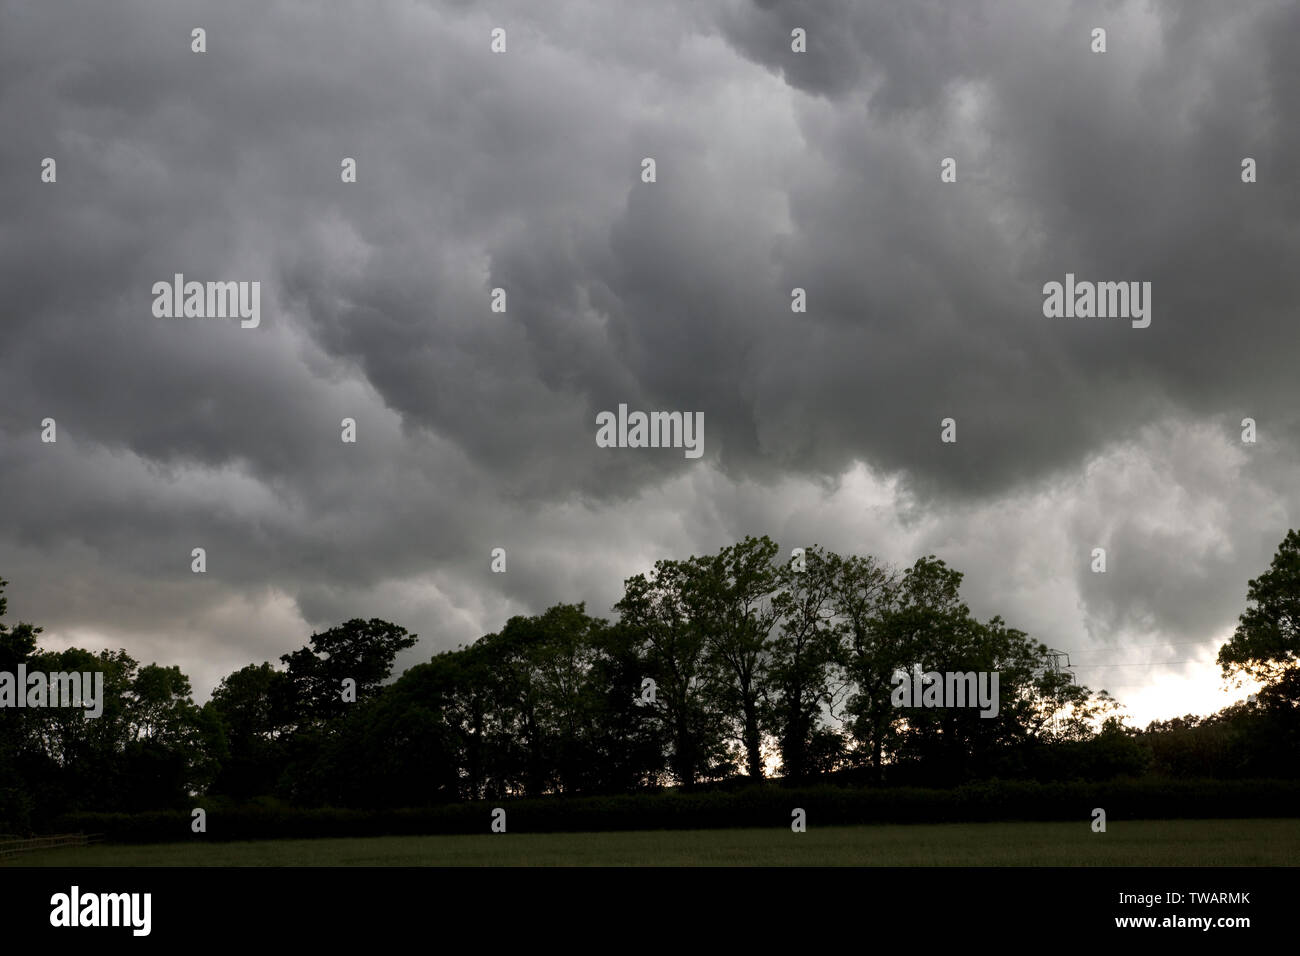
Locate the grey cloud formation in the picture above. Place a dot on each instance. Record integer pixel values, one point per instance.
(775, 170)
(1123, 165)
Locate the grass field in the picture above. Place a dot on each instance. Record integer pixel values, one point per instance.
(1133, 843)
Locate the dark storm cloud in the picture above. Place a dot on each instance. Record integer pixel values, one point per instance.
(1123, 165)
(521, 171)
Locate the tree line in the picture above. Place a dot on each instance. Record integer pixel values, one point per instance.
(741, 665)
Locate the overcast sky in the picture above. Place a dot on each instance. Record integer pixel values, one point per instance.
(522, 170)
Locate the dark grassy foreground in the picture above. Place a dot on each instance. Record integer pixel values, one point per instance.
(1256, 842)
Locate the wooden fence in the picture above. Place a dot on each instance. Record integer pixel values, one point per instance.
(12, 846)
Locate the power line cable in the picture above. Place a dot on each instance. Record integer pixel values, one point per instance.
(1145, 664)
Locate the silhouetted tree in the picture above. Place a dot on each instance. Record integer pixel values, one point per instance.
(1266, 643)
(657, 611)
(799, 674)
(730, 597)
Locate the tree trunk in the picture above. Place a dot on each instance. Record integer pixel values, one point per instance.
(753, 742)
